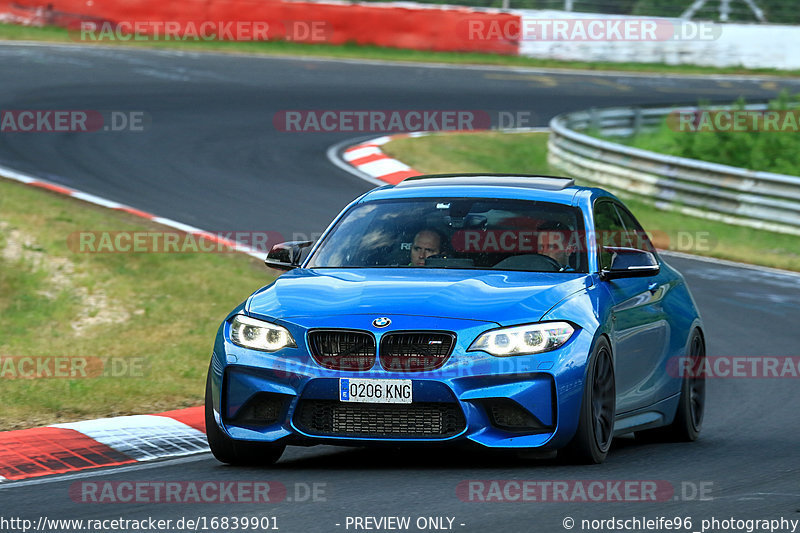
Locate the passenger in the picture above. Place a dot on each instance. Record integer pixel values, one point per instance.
(554, 242)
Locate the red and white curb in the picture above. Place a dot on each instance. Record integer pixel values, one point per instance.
(368, 158)
(70, 447)
(63, 448)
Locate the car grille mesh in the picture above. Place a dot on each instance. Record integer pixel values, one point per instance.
(418, 420)
(415, 351)
(342, 349)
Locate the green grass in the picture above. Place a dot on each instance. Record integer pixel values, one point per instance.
(353, 51)
(527, 153)
(158, 309)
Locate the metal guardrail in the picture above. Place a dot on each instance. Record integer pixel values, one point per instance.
(734, 195)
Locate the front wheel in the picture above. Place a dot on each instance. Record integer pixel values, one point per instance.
(598, 409)
(233, 452)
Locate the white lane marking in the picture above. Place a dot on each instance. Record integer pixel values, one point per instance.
(143, 437)
(17, 176)
(162, 74)
(93, 48)
(757, 496)
(108, 471)
(240, 247)
(91, 198)
(177, 225)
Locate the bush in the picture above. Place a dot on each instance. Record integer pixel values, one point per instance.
(777, 151)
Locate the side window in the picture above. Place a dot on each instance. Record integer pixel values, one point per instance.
(608, 229)
(634, 236)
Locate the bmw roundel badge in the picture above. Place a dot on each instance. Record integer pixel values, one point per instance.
(381, 322)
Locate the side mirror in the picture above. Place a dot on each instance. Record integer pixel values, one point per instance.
(286, 255)
(630, 263)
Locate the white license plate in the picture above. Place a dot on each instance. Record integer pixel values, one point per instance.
(375, 390)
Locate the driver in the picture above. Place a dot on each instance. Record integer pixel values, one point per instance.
(554, 242)
(426, 243)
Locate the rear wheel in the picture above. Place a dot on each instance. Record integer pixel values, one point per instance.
(691, 405)
(233, 452)
(598, 409)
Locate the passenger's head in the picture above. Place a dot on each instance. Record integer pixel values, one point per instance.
(426, 243)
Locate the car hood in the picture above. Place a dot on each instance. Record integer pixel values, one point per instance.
(501, 297)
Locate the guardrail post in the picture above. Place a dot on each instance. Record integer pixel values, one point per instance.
(594, 119)
(637, 120)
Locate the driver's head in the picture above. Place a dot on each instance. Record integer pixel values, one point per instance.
(554, 241)
(426, 243)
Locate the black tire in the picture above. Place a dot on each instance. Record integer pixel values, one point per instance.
(234, 452)
(598, 409)
(691, 405)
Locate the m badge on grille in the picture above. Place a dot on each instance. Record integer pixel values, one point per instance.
(381, 322)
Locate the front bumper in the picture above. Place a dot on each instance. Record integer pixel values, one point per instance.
(513, 402)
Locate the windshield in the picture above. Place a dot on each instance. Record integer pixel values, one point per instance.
(473, 233)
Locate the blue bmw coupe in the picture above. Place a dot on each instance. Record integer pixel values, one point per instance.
(505, 311)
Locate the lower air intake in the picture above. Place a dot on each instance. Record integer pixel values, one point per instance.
(419, 420)
(508, 415)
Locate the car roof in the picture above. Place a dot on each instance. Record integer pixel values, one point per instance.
(548, 183)
(556, 189)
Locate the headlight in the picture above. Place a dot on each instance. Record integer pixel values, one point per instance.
(259, 335)
(523, 340)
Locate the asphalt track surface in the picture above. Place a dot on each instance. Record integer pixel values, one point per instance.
(212, 158)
